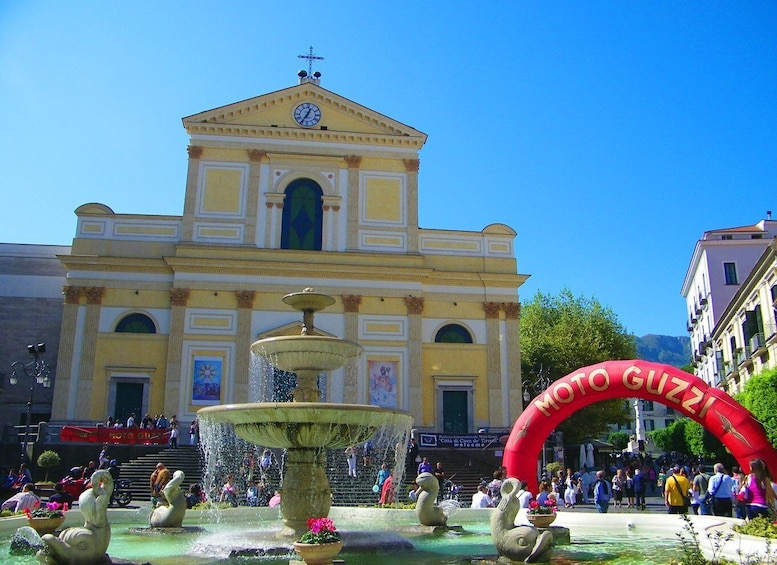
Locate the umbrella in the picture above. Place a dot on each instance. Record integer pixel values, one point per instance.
(582, 456)
(589, 460)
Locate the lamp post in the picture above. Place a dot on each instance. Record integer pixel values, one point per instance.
(38, 372)
(539, 384)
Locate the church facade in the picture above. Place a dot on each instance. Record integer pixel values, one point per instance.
(292, 189)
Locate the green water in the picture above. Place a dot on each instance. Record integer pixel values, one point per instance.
(446, 549)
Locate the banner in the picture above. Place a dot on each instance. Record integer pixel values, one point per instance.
(467, 441)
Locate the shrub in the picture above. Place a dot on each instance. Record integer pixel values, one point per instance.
(48, 459)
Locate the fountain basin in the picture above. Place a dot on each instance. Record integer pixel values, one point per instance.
(306, 425)
(306, 352)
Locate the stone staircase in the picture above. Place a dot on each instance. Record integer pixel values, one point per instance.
(138, 470)
(466, 467)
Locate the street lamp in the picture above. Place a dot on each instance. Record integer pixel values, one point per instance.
(39, 372)
(539, 384)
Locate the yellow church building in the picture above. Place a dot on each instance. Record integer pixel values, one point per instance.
(292, 189)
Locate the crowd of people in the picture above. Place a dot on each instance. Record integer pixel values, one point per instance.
(684, 489)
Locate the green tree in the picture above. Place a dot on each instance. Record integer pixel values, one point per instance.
(691, 438)
(565, 332)
(671, 438)
(47, 460)
(619, 440)
(760, 397)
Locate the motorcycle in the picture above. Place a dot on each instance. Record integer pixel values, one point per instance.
(121, 495)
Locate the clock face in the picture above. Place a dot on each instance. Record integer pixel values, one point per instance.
(307, 114)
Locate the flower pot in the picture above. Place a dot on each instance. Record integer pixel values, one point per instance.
(318, 553)
(45, 525)
(541, 520)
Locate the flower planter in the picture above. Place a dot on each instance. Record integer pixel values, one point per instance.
(318, 553)
(541, 520)
(45, 525)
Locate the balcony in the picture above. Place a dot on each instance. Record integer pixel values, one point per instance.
(698, 310)
(743, 357)
(730, 369)
(758, 345)
(703, 302)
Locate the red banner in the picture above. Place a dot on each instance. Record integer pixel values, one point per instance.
(101, 434)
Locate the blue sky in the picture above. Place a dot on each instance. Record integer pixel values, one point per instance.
(609, 135)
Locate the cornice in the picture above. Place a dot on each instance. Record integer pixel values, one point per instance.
(295, 134)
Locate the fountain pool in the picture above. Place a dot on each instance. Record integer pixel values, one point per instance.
(616, 539)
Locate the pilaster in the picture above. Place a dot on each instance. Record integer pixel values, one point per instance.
(255, 157)
(493, 361)
(179, 297)
(415, 310)
(351, 304)
(352, 238)
(512, 312)
(84, 403)
(412, 166)
(190, 200)
(245, 305)
(64, 383)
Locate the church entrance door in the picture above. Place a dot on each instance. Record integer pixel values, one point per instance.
(129, 400)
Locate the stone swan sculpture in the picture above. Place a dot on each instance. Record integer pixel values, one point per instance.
(517, 543)
(77, 546)
(171, 516)
(428, 513)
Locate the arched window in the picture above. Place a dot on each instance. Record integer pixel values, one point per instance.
(303, 216)
(453, 333)
(136, 324)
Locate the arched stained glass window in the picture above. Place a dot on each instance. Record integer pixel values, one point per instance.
(136, 324)
(303, 216)
(453, 333)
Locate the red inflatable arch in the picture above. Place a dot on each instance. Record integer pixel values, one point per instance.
(735, 426)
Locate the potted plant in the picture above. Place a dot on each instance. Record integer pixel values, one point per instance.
(321, 543)
(541, 515)
(44, 520)
(47, 460)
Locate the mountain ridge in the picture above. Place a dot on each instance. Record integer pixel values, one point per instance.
(671, 350)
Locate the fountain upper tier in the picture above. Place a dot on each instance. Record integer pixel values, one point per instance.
(295, 353)
(306, 425)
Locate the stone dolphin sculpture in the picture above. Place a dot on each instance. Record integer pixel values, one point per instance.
(171, 516)
(77, 546)
(428, 513)
(518, 543)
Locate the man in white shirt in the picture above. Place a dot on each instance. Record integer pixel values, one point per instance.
(22, 500)
(721, 488)
(481, 499)
(523, 495)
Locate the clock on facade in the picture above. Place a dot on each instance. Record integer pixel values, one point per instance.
(307, 114)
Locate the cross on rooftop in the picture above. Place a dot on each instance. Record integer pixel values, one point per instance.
(310, 57)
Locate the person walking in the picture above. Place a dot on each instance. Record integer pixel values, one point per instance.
(721, 489)
(602, 493)
(350, 457)
(676, 492)
(699, 491)
(618, 484)
(639, 484)
(194, 431)
(424, 466)
(174, 435)
(757, 491)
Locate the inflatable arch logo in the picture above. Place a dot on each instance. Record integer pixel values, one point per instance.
(728, 420)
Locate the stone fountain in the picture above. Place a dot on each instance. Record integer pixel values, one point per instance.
(306, 428)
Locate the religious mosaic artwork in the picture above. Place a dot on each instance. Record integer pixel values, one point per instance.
(383, 383)
(206, 380)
